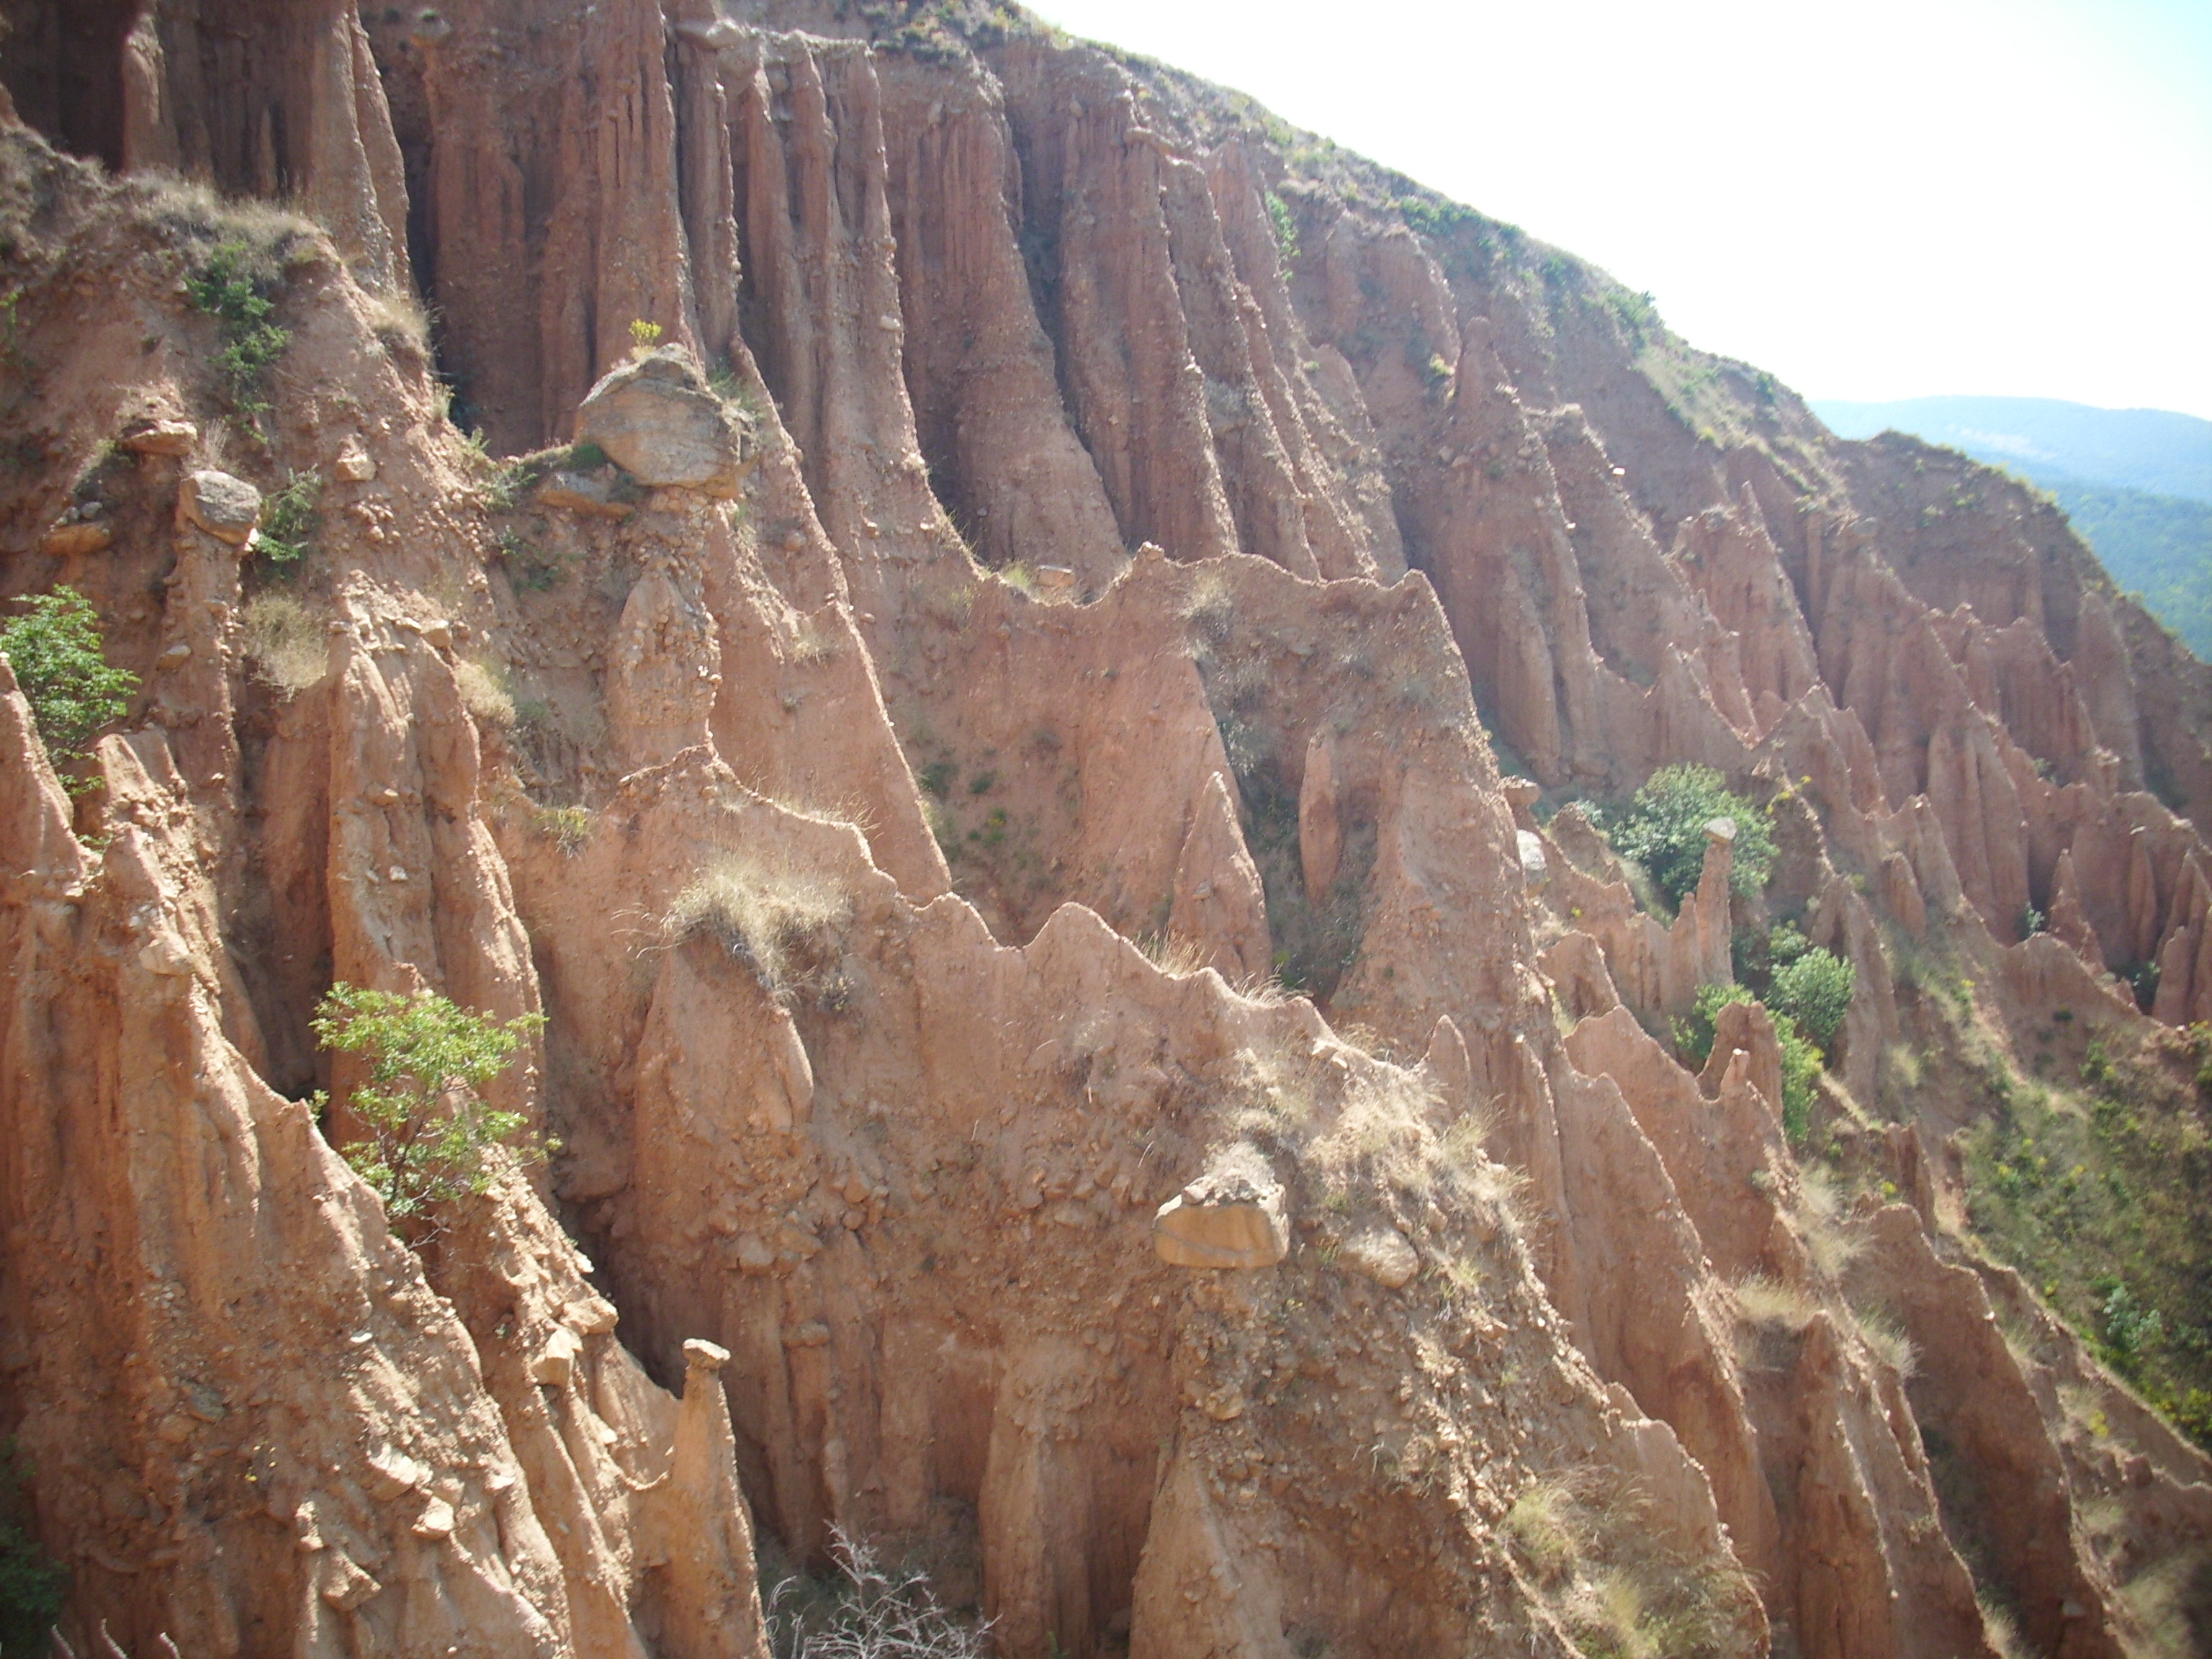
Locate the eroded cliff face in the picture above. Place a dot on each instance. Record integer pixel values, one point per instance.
(1152, 533)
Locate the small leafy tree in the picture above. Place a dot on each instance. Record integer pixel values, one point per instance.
(290, 520)
(430, 1131)
(1663, 829)
(1814, 989)
(2131, 1330)
(56, 653)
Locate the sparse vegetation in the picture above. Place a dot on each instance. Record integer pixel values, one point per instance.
(398, 319)
(1663, 829)
(530, 566)
(289, 647)
(1831, 1239)
(865, 1610)
(783, 922)
(31, 1584)
(290, 519)
(1801, 1058)
(485, 693)
(1284, 226)
(233, 286)
(1542, 1523)
(568, 828)
(60, 664)
(430, 1135)
(2095, 1194)
(1768, 1302)
(1886, 1338)
(643, 335)
(1175, 956)
(1619, 1593)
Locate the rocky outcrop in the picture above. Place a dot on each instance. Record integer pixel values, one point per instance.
(972, 992)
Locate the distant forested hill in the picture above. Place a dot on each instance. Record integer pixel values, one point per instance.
(2136, 482)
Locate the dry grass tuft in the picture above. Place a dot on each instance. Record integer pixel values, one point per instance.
(288, 646)
(1178, 958)
(1546, 1523)
(781, 921)
(1380, 1137)
(266, 228)
(2004, 1635)
(397, 318)
(485, 693)
(1262, 991)
(1830, 1239)
(1210, 610)
(1768, 1302)
(1887, 1340)
(568, 828)
(815, 641)
(1613, 1580)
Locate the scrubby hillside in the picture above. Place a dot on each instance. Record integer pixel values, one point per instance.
(1024, 691)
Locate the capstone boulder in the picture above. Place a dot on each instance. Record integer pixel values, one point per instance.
(656, 417)
(1233, 1216)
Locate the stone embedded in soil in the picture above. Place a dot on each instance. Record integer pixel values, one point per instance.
(656, 417)
(1535, 868)
(583, 492)
(227, 509)
(436, 1521)
(162, 438)
(556, 1360)
(67, 541)
(1228, 1218)
(354, 463)
(1385, 1255)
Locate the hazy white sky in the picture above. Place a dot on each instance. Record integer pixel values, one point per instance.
(1874, 198)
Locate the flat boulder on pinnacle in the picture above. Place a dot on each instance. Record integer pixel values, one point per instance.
(1233, 1216)
(655, 418)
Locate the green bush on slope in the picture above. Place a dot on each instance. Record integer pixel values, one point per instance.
(1663, 830)
(58, 657)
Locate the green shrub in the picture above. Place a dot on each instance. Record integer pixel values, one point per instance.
(32, 1586)
(57, 654)
(1802, 1058)
(2131, 1330)
(1814, 990)
(430, 1134)
(1284, 226)
(1694, 1032)
(1663, 829)
(229, 288)
(290, 520)
(1802, 1061)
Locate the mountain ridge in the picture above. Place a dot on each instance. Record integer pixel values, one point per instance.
(2156, 451)
(2158, 545)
